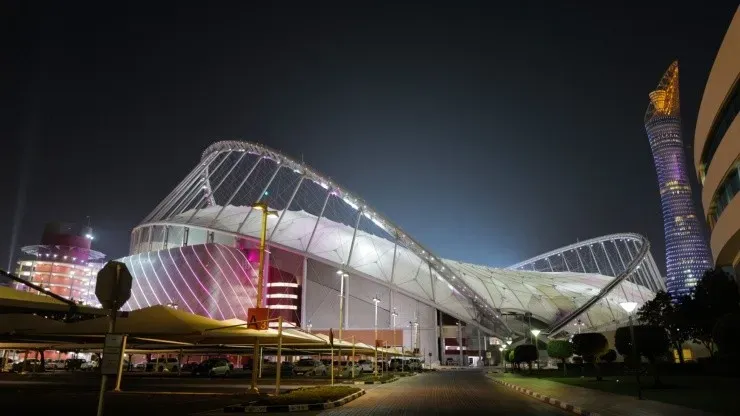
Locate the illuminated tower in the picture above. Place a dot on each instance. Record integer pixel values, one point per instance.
(687, 252)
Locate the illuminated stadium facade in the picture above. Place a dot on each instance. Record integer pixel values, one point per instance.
(687, 252)
(198, 250)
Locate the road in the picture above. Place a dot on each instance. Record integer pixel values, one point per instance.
(438, 393)
(445, 393)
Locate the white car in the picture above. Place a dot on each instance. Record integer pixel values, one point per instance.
(163, 364)
(55, 365)
(213, 367)
(367, 366)
(88, 365)
(309, 367)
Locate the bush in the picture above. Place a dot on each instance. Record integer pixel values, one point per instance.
(525, 353)
(609, 357)
(726, 333)
(651, 342)
(310, 395)
(590, 346)
(561, 350)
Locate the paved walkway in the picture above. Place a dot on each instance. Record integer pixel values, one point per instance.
(444, 393)
(604, 403)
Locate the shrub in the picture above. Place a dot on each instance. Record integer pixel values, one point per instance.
(561, 350)
(609, 356)
(591, 346)
(525, 353)
(726, 333)
(651, 342)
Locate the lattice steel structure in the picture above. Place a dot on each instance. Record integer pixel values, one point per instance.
(193, 249)
(687, 252)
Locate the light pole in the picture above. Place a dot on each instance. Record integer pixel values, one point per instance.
(503, 358)
(629, 307)
(261, 206)
(535, 334)
(460, 342)
(394, 315)
(309, 326)
(579, 324)
(376, 301)
(342, 274)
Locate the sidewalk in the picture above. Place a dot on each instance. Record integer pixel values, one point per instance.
(595, 401)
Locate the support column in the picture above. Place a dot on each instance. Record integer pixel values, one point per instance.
(593, 256)
(441, 338)
(580, 260)
(318, 219)
(304, 290)
(236, 191)
(262, 194)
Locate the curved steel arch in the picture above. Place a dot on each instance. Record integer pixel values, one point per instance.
(188, 190)
(197, 194)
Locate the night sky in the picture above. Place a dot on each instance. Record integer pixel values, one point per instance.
(490, 132)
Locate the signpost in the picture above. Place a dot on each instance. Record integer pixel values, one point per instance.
(331, 344)
(113, 289)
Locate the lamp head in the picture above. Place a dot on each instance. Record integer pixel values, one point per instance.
(628, 306)
(536, 332)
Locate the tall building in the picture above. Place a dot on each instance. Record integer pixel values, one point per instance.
(687, 253)
(63, 264)
(717, 150)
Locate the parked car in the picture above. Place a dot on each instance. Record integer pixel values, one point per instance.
(213, 367)
(366, 366)
(450, 361)
(89, 365)
(162, 364)
(309, 367)
(8, 365)
(54, 365)
(189, 367)
(71, 364)
(31, 364)
(347, 366)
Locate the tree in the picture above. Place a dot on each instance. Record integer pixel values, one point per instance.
(651, 342)
(726, 334)
(716, 295)
(560, 349)
(662, 312)
(590, 346)
(509, 356)
(609, 356)
(525, 353)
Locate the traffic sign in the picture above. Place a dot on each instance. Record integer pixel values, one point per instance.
(113, 285)
(258, 318)
(112, 350)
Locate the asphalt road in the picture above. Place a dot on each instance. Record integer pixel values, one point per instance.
(437, 393)
(465, 392)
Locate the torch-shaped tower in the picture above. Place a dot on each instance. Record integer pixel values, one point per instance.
(687, 252)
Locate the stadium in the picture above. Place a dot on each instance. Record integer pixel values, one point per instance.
(198, 251)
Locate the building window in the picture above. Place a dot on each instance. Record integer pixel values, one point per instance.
(725, 117)
(726, 191)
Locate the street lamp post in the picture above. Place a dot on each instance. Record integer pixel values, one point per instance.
(394, 315)
(535, 334)
(342, 274)
(376, 301)
(261, 206)
(503, 356)
(629, 307)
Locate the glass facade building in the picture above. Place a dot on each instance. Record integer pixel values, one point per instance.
(717, 151)
(687, 251)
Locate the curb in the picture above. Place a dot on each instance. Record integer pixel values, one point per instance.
(240, 408)
(372, 382)
(550, 400)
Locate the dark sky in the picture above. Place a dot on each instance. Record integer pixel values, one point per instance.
(490, 132)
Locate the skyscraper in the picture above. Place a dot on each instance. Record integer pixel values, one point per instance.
(687, 252)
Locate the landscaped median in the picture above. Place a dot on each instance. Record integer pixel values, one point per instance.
(617, 395)
(370, 379)
(310, 398)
